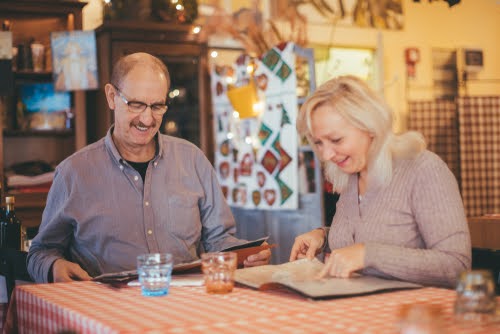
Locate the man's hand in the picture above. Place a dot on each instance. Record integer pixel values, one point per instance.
(343, 262)
(261, 258)
(66, 271)
(308, 245)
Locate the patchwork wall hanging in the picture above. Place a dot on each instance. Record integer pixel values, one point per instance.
(255, 108)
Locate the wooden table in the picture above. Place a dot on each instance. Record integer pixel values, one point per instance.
(88, 307)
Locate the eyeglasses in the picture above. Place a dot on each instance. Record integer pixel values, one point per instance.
(138, 107)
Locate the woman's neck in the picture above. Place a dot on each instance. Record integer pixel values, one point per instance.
(362, 183)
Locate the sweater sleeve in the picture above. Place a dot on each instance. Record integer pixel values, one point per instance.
(438, 210)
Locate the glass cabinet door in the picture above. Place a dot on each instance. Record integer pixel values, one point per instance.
(183, 116)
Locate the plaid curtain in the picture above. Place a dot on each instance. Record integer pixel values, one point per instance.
(479, 121)
(437, 121)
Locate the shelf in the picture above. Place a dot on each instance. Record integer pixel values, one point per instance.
(33, 76)
(28, 200)
(39, 133)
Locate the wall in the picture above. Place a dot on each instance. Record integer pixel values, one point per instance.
(472, 23)
(428, 25)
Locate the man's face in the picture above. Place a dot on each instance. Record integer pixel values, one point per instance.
(141, 84)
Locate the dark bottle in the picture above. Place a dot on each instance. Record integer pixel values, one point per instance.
(2, 209)
(10, 227)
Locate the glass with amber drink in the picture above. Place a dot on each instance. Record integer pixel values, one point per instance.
(218, 270)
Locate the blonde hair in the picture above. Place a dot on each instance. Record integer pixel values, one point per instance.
(354, 100)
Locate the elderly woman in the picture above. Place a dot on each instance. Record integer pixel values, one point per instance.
(400, 214)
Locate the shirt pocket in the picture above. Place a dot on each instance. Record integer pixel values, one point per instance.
(184, 218)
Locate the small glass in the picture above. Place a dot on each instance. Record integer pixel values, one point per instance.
(155, 273)
(218, 270)
(476, 300)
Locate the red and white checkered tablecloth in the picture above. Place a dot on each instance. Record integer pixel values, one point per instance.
(88, 307)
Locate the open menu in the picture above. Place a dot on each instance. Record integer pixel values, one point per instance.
(243, 251)
(300, 276)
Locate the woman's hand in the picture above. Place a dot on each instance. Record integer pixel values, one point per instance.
(308, 244)
(343, 262)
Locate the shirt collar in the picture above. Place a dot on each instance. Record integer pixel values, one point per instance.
(110, 145)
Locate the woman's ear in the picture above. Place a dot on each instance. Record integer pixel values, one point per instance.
(110, 92)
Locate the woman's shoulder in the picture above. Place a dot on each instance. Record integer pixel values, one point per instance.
(423, 160)
(425, 167)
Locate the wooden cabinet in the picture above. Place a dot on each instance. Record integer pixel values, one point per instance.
(34, 21)
(188, 115)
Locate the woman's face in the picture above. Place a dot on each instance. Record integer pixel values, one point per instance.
(338, 141)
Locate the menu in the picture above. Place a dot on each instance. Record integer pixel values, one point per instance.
(300, 276)
(243, 251)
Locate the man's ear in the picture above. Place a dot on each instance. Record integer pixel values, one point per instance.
(110, 92)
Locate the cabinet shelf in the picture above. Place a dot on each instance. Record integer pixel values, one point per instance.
(35, 200)
(39, 133)
(30, 76)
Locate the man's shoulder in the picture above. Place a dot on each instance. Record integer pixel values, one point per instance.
(178, 144)
(85, 155)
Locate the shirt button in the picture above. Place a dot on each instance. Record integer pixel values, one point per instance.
(147, 203)
(155, 164)
(136, 177)
(121, 167)
(150, 232)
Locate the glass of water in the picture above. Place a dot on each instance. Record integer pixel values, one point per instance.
(476, 300)
(155, 273)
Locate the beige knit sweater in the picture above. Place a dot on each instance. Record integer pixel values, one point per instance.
(414, 229)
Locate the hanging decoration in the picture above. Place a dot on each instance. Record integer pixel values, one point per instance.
(255, 107)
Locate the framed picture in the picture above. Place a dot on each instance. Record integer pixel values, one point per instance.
(44, 108)
(74, 60)
(381, 14)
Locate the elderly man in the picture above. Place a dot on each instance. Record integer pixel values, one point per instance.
(134, 191)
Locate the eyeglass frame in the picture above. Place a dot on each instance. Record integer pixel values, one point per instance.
(143, 104)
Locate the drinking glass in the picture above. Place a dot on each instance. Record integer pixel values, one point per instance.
(476, 299)
(218, 269)
(155, 272)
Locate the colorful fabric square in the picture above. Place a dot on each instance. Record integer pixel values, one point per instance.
(285, 159)
(269, 162)
(285, 190)
(285, 119)
(276, 143)
(284, 71)
(271, 59)
(264, 133)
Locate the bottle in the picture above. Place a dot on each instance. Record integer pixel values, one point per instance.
(10, 227)
(2, 209)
